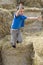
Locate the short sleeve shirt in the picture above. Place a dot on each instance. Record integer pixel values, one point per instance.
(18, 22)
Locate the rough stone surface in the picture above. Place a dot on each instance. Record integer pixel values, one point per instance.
(29, 52)
(29, 3)
(0, 58)
(22, 55)
(5, 21)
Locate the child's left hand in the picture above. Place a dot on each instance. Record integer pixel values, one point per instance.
(40, 18)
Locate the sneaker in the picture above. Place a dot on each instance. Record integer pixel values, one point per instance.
(14, 46)
(17, 41)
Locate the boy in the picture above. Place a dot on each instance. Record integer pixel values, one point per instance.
(17, 23)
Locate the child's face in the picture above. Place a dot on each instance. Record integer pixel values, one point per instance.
(20, 4)
(21, 11)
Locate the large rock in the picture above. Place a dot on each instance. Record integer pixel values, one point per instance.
(38, 48)
(13, 3)
(8, 4)
(38, 60)
(0, 57)
(5, 21)
(32, 3)
(22, 55)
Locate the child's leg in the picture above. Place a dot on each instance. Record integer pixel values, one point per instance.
(19, 38)
(13, 37)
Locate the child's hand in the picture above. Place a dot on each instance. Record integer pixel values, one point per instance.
(40, 18)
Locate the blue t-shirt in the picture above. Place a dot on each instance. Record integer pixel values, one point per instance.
(18, 22)
(22, 25)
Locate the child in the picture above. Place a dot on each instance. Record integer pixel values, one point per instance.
(17, 23)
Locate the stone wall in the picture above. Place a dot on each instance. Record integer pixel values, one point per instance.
(29, 52)
(13, 3)
(5, 21)
(22, 55)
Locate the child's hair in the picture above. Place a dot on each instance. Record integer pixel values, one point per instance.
(20, 6)
(21, 2)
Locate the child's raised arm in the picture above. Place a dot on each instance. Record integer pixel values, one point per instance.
(17, 13)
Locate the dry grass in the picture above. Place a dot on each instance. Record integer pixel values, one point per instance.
(38, 60)
(22, 55)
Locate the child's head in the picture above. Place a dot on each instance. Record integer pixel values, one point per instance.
(21, 8)
(21, 11)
